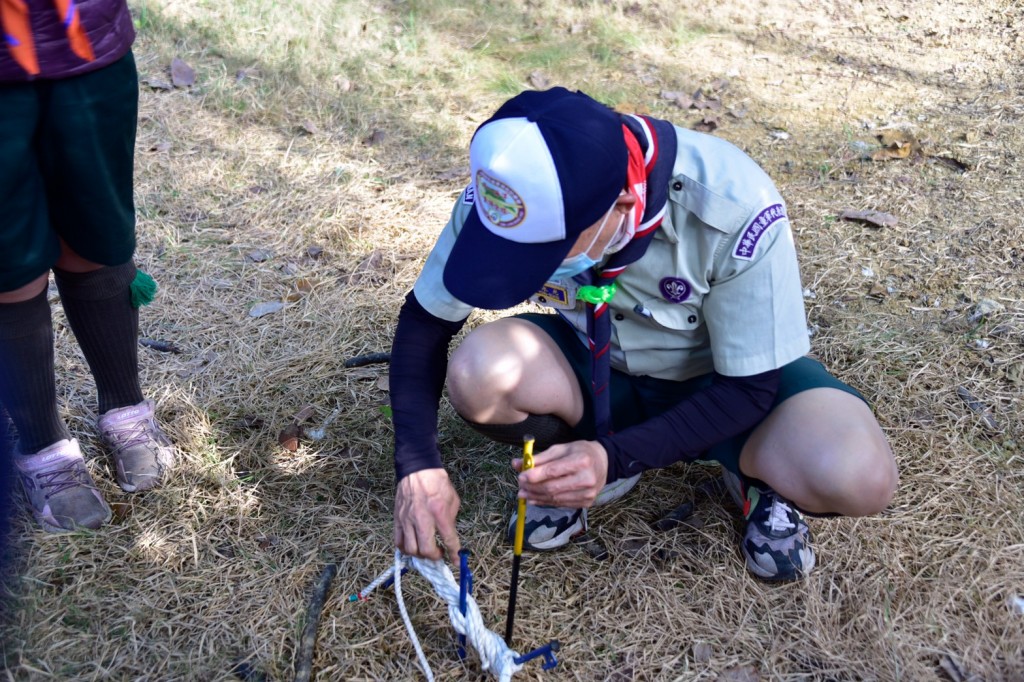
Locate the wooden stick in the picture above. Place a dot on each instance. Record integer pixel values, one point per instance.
(304, 659)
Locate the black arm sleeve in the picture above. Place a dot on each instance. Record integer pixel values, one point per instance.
(729, 406)
(419, 360)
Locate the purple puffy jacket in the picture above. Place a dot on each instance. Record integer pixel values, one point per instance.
(108, 23)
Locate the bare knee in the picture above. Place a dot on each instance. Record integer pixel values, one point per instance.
(483, 373)
(864, 483)
(24, 293)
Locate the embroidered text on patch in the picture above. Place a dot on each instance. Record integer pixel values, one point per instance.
(469, 196)
(757, 227)
(500, 203)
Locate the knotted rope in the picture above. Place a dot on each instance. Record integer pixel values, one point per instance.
(495, 656)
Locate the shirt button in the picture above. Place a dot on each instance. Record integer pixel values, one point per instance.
(619, 316)
(691, 319)
(677, 185)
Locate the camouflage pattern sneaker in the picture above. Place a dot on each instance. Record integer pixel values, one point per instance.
(776, 543)
(60, 490)
(141, 451)
(548, 528)
(553, 527)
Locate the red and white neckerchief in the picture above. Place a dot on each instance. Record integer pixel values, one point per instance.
(651, 144)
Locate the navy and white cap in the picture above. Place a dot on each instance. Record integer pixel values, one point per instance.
(545, 167)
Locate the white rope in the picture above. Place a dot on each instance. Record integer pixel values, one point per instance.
(495, 656)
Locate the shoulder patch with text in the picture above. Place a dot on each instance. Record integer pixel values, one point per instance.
(469, 196)
(747, 245)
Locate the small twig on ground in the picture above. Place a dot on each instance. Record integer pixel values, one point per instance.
(304, 659)
(369, 359)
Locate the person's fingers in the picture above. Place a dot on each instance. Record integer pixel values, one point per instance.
(450, 539)
(426, 543)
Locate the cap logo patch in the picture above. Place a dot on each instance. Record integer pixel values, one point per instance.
(499, 202)
(675, 289)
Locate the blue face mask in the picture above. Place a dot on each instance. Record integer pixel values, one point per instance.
(582, 261)
(571, 267)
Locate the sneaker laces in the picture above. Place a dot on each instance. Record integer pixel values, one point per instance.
(128, 435)
(68, 476)
(779, 516)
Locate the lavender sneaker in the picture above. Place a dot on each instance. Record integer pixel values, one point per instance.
(140, 449)
(60, 490)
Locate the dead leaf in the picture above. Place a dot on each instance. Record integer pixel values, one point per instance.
(268, 541)
(895, 144)
(707, 124)
(265, 308)
(633, 546)
(120, 511)
(315, 252)
(196, 365)
(539, 81)
(592, 546)
(303, 286)
(740, 673)
(258, 255)
(877, 290)
(875, 218)
(702, 652)
(309, 127)
(375, 138)
(948, 161)
(289, 437)
(182, 75)
(303, 414)
(247, 422)
(361, 483)
(890, 153)
(158, 84)
(978, 407)
(384, 382)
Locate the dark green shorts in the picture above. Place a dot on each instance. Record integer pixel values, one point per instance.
(66, 161)
(635, 399)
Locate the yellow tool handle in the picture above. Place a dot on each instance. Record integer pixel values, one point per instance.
(521, 516)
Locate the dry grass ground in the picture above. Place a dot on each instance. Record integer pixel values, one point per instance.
(313, 162)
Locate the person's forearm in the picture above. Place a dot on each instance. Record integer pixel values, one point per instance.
(729, 406)
(419, 360)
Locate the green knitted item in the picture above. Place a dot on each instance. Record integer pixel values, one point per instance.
(142, 289)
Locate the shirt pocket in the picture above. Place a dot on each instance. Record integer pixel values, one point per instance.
(682, 317)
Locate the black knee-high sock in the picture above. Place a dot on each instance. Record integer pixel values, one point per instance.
(27, 385)
(106, 325)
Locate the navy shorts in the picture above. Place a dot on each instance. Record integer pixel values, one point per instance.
(67, 148)
(635, 399)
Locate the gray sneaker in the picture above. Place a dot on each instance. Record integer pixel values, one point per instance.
(548, 528)
(60, 490)
(777, 541)
(141, 451)
(553, 527)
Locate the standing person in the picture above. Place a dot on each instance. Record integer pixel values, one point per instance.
(680, 334)
(68, 111)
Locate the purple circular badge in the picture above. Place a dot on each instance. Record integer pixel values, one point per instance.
(675, 289)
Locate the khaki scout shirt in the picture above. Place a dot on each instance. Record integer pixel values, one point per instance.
(718, 287)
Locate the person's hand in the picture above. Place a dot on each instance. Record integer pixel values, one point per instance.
(567, 475)
(426, 505)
